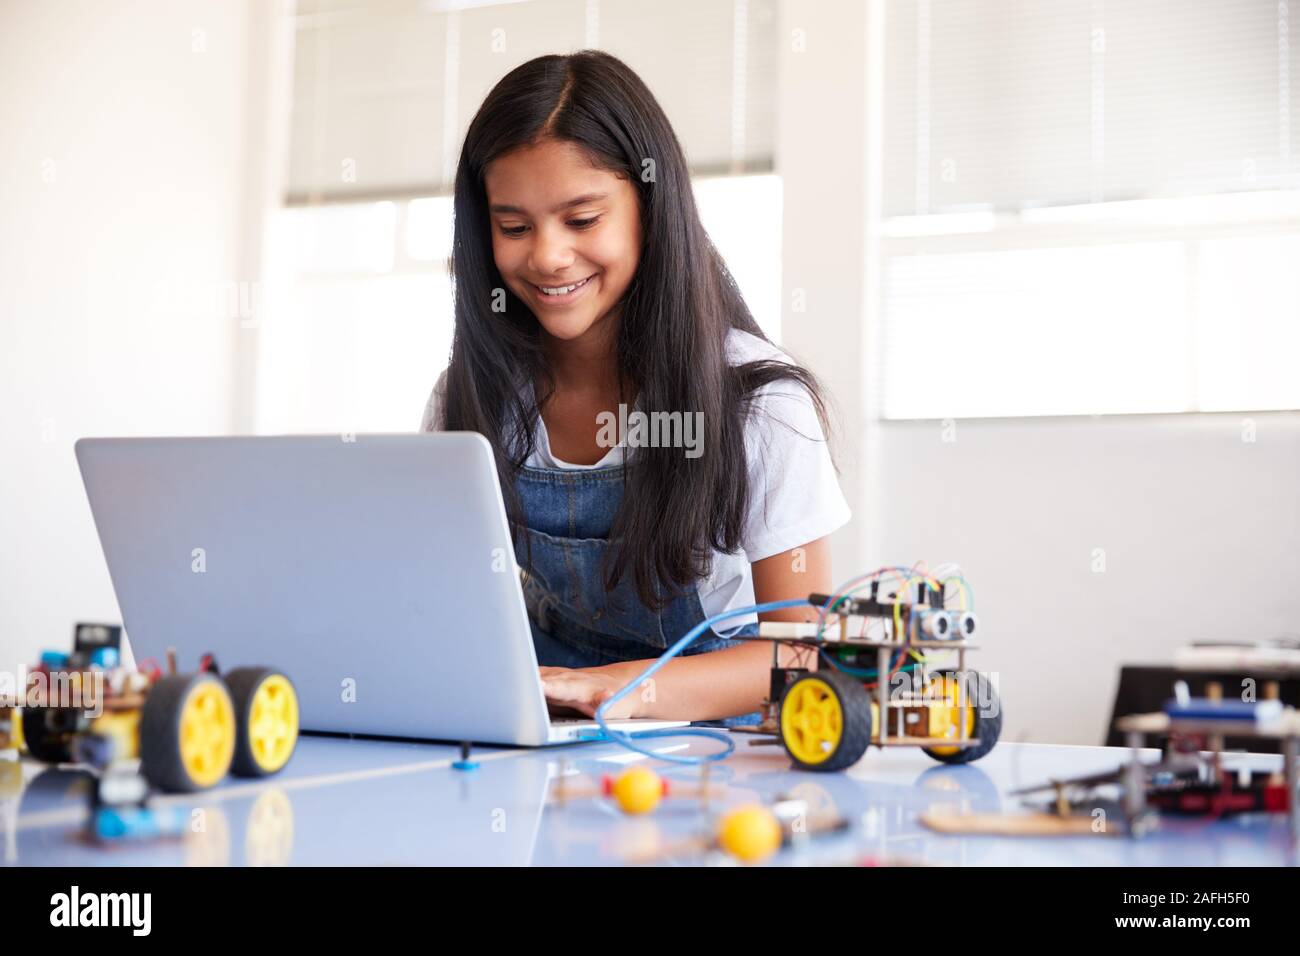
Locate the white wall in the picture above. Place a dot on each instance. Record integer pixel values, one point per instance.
(121, 180)
(821, 149)
(1200, 531)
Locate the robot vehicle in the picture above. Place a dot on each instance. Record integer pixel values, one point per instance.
(828, 717)
(186, 730)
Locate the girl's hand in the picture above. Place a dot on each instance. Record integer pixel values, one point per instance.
(585, 689)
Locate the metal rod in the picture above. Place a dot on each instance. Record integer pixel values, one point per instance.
(961, 677)
(1290, 758)
(1134, 790)
(882, 690)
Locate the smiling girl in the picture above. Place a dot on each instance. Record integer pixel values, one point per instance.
(584, 281)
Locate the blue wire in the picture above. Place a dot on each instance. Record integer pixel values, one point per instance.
(627, 740)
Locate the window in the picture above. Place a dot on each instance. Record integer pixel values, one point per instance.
(360, 319)
(357, 322)
(1088, 208)
(359, 315)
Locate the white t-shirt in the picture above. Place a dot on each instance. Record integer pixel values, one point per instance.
(795, 497)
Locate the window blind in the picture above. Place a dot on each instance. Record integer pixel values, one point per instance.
(384, 90)
(1007, 105)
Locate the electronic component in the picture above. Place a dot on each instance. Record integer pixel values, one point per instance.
(827, 718)
(875, 687)
(183, 732)
(1208, 708)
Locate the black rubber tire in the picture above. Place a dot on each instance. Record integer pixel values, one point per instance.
(48, 732)
(243, 683)
(988, 721)
(855, 706)
(160, 731)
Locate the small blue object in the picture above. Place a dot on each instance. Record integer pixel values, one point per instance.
(53, 659)
(464, 763)
(104, 657)
(1203, 708)
(111, 824)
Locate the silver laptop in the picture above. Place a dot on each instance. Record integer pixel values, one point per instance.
(377, 571)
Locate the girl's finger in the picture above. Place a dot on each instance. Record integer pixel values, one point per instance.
(579, 694)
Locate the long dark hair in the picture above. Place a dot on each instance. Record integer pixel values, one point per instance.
(672, 327)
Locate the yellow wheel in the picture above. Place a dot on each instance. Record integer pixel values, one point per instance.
(266, 707)
(825, 721)
(947, 713)
(11, 729)
(978, 707)
(187, 732)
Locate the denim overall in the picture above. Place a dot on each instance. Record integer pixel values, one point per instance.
(574, 620)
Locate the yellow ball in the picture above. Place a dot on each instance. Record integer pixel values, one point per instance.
(638, 790)
(750, 833)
